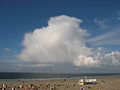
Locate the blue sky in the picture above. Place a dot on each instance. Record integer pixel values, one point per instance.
(101, 19)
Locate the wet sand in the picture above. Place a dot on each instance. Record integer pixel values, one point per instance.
(108, 83)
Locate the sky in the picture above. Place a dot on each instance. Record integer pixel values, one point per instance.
(59, 36)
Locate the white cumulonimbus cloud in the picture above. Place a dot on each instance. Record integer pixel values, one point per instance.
(59, 42)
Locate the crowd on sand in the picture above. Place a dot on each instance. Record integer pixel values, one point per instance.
(32, 87)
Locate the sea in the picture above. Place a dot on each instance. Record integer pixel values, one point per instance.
(19, 76)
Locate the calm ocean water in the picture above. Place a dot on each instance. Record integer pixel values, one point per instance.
(39, 76)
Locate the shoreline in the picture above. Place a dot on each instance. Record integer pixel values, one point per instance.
(40, 79)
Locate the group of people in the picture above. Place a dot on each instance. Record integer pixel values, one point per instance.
(3, 87)
(23, 87)
(27, 87)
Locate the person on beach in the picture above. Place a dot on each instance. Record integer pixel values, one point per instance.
(81, 88)
(3, 87)
(13, 88)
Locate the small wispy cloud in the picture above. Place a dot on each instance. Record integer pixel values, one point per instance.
(119, 18)
(119, 12)
(6, 49)
(107, 42)
(104, 39)
(35, 65)
(100, 23)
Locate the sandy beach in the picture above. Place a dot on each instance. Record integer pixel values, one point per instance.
(108, 83)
